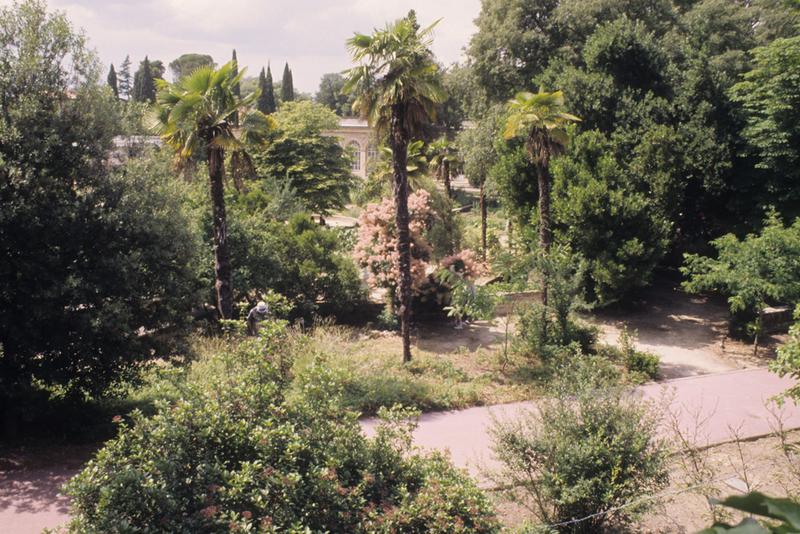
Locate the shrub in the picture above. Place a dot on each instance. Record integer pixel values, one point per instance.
(589, 448)
(635, 360)
(236, 454)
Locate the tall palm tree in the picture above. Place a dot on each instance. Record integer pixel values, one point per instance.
(541, 119)
(196, 115)
(444, 161)
(397, 86)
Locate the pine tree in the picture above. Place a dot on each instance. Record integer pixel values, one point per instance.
(112, 80)
(124, 78)
(236, 89)
(269, 91)
(287, 85)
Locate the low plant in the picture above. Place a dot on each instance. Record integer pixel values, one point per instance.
(589, 448)
(637, 361)
(778, 515)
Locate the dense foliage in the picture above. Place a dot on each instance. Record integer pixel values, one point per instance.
(96, 267)
(314, 165)
(238, 452)
(695, 104)
(759, 270)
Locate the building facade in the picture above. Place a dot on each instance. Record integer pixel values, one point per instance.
(356, 137)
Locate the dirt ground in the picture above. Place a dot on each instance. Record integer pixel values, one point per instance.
(682, 507)
(688, 332)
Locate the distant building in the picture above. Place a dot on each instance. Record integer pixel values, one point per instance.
(125, 147)
(356, 137)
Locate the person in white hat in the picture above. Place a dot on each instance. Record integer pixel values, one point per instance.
(259, 313)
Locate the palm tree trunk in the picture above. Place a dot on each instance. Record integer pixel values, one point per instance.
(222, 256)
(545, 232)
(446, 178)
(483, 220)
(399, 140)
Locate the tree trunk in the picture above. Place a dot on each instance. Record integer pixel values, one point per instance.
(483, 220)
(545, 232)
(399, 140)
(446, 178)
(222, 256)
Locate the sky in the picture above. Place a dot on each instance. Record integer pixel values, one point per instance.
(309, 34)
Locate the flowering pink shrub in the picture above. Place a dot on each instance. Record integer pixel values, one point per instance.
(466, 263)
(376, 247)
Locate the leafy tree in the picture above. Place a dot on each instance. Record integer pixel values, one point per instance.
(267, 99)
(396, 87)
(287, 85)
(514, 42)
(111, 79)
(787, 361)
(476, 146)
(188, 63)
(770, 98)
(194, 116)
(124, 80)
(443, 160)
(314, 165)
(97, 268)
(753, 272)
(618, 231)
(330, 94)
(540, 119)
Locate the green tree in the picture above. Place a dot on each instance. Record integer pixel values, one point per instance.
(476, 146)
(540, 119)
(144, 85)
(97, 268)
(397, 87)
(185, 64)
(753, 272)
(194, 116)
(124, 80)
(770, 98)
(111, 80)
(444, 161)
(315, 166)
(287, 85)
(266, 101)
(330, 94)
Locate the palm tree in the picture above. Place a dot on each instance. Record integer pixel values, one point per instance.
(540, 118)
(196, 114)
(444, 161)
(397, 86)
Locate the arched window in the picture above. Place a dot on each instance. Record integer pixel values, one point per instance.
(372, 152)
(355, 151)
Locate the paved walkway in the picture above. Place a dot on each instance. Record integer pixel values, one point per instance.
(706, 408)
(30, 501)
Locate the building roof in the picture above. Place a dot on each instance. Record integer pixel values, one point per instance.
(353, 123)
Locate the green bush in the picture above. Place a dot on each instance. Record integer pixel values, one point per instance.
(637, 361)
(540, 335)
(589, 448)
(237, 454)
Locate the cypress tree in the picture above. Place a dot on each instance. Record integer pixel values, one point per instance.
(262, 96)
(124, 78)
(269, 90)
(237, 90)
(112, 80)
(287, 85)
(144, 89)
